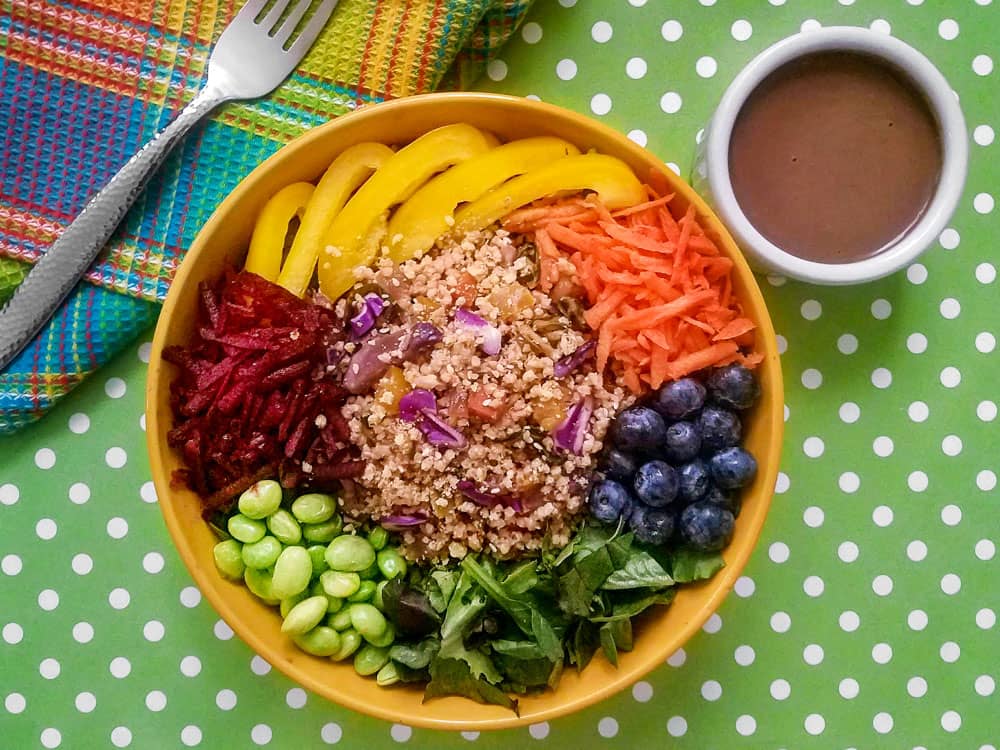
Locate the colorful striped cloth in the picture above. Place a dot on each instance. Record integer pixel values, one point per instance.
(83, 83)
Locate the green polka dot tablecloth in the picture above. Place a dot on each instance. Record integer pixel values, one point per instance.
(867, 615)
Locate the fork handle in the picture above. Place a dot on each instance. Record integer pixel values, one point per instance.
(57, 271)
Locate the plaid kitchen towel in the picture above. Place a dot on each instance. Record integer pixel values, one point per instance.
(84, 83)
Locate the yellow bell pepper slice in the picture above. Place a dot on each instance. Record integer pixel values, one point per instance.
(393, 182)
(267, 244)
(344, 175)
(615, 184)
(429, 212)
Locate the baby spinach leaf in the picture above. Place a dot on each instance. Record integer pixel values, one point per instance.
(439, 586)
(466, 604)
(627, 604)
(608, 643)
(453, 677)
(639, 571)
(582, 643)
(415, 655)
(688, 565)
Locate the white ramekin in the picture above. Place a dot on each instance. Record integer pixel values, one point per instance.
(711, 172)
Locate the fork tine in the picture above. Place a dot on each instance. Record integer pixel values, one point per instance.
(251, 8)
(313, 28)
(271, 19)
(281, 35)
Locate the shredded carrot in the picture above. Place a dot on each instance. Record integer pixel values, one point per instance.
(643, 206)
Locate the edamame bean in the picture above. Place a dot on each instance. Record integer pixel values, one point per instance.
(340, 584)
(350, 553)
(262, 553)
(320, 641)
(387, 675)
(370, 659)
(317, 553)
(305, 615)
(335, 603)
(246, 530)
(287, 604)
(323, 533)
(261, 499)
(364, 593)
(367, 620)
(385, 640)
(391, 563)
(350, 641)
(284, 527)
(340, 620)
(314, 508)
(378, 537)
(259, 583)
(292, 571)
(377, 596)
(371, 572)
(229, 560)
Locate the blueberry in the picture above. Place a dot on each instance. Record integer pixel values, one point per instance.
(651, 525)
(732, 468)
(638, 429)
(706, 527)
(656, 483)
(680, 398)
(724, 499)
(733, 386)
(693, 481)
(720, 428)
(608, 500)
(682, 443)
(619, 465)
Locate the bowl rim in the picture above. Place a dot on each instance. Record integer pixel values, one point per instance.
(922, 74)
(204, 578)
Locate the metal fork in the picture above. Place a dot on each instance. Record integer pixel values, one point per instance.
(249, 61)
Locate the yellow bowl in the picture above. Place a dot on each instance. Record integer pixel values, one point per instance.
(223, 241)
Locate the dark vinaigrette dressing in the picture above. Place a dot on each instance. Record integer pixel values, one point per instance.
(834, 156)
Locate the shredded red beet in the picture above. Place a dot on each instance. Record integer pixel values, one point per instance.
(253, 396)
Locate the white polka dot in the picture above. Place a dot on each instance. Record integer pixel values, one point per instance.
(144, 351)
(191, 735)
(674, 168)
(950, 652)
(713, 624)
(711, 690)
(849, 482)
(115, 387)
(82, 564)
(985, 685)
(677, 726)
(951, 721)
(85, 702)
(13, 633)
(810, 24)
(917, 620)
(948, 29)
(951, 445)
(116, 457)
(882, 516)
(637, 136)
(918, 411)
(744, 655)
(882, 722)
(566, 69)
(295, 698)
(152, 562)
(46, 529)
(401, 732)
(744, 587)
(190, 597)
(881, 309)
(119, 598)
(539, 731)
(812, 378)
(780, 622)
(848, 688)
(916, 273)
(882, 446)
(982, 65)
(9, 494)
(225, 699)
(951, 515)
(121, 736)
(881, 26)
(222, 631)
(814, 724)
(190, 666)
(600, 104)
(11, 565)
(782, 483)
(986, 618)
(79, 493)
(496, 70)
(916, 343)
(567, 3)
(950, 308)
(120, 667)
(677, 658)
(601, 32)
(741, 30)
(950, 239)
(14, 703)
(917, 481)
(48, 599)
(882, 585)
(83, 632)
(847, 343)
(261, 734)
(983, 135)
(142, 422)
(671, 30)
(607, 727)
(156, 700)
(847, 551)
(331, 733)
(951, 584)
(117, 528)
(531, 32)
(746, 725)
(706, 66)
(916, 687)
(780, 689)
(774, 279)
(45, 458)
(916, 550)
(259, 666)
(813, 447)
(985, 342)
(79, 423)
(148, 492)
(881, 377)
(849, 412)
(849, 621)
(670, 102)
(635, 68)
(881, 653)
(642, 691)
(778, 552)
(50, 737)
(811, 309)
(813, 654)
(153, 631)
(985, 549)
(986, 411)
(49, 668)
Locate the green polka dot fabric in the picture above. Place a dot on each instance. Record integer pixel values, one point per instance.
(866, 617)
